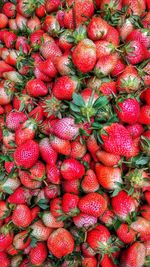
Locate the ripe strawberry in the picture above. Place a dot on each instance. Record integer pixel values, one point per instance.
(53, 174)
(55, 207)
(50, 221)
(4, 260)
(3, 21)
(92, 204)
(78, 149)
(26, 154)
(40, 231)
(129, 81)
(145, 211)
(48, 68)
(89, 183)
(60, 243)
(48, 154)
(65, 87)
(113, 36)
(133, 256)
(126, 234)
(135, 7)
(20, 196)
(21, 216)
(27, 180)
(142, 227)
(68, 19)
(135, 130)
(8, 138)
(72, 169)
(20, 241)
(144, 117)
(52, 6)
(49, 49)
(146, 75)
(118, 69)
(107, 262)
(51, 191)
(92, 146)
(10, 39)
(108, 159)
(38, 254)
(71, 186)
(69, 204)
(40, 11)
(4, 210)
(105, 65)
(147, 196)
(108, 177)
(107, 217)
(123, 205)
(14, 119)
(36, 88)
(83, 10)
(128, 110)
(97, 237)
(84, 55)
(89, 262)
(146, 96)
(51, 25)
(103, 48)
(116, 139)
(25, 132)
(135, 52)
(97, 28)
(9, 9)
(6, 238)
(62, 64)
(66, 128)
(84, 220)
(139, 35)
(6, 91)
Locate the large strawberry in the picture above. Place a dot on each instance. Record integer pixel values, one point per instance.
(83, 10)
(38, 254)
(22, 216)
(72, 169)
(66, 128)
(133, 256)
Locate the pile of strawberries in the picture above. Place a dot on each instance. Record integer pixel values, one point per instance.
(74, 133)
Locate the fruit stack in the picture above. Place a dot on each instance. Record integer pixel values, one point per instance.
(74, 133)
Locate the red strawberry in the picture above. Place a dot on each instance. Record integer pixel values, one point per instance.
(48, 68)
(92, 204)
(108, 159)
(107, 262)
(92, 146)
(116, 139)
(3, 21)
(40, 231)
(4, 260)
(14, 119)
(72, 169)
(105, 65)
(123, 205)
(69, 204)
(139, 35)
(146, 96)
(118, 69)
(50, 49)
(145, 211)
(113, 36)
(142, 227)
(83, 10)
(48, 154)
(6, 92)
(53, 174)
(55, 207)
(60, 243)
(20, 196)
(71, 186)
(36, 88)
(66, 128)
(35, 39)
(97, 237)
(126, 234)
(78, 149)
(38, 254)
(135, 130)
(89, 262)
(51, 191)
(144, 117)
(21, 216)
(51, 25)
(20, 241)
(62, 64)
(52, 6)
(136, 52)
(4, 210)
(27, 154)
(146, 75)
(135, 7)
(27, 180)
(84, 55)
(25, 132)
(90, 183)
(68, 19)
(133, 256)
(9, 9)
(6, 238)
(97, 28)
(84, 220)
(64, 87)
(50, 221)
(128, 110)
(108, 177)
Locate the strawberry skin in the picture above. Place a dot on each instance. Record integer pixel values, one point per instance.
(133, 256)
(128, 110)
(22, 216)
(92, 204)
(27, 154)
(38, 254)
(48, 154)
(66, 128)
(36, 88)
(84, 220)
(72, 169)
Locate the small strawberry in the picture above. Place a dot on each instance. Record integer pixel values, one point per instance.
(83, 10)
(89, 262)
(147, 196)
(9, 9)
(84, 55)
(48, 68)
(25, 132)
(144, 117)
(53, 174)
(72, 169)
(135, 130)
(71, 186)
(105, 65)
(49, 49)
(36, 88)
(21, 216)
(40, 231)
(21, 240)
(145, 211)
(64, 87)
(90, 183)
(20, 196)
(135, 7)
(142, 227)
(3, 20)
(135, 52)
(51, 25)
(133, 256)
(50, 221)
(108, 159)
(126, 234)
(14, 119)
(92, 204)
(48, 154)
(38, 254)
(108, 177)
(69, 204)
(6, 238)
(66, 128)
(97, 28)
(26, 154)
(97, 237)
(78, 149)
(52, 6)
(27, 180)
(6, 92)
(140, 35)
(123, 205)
(4, 260)
(60, 243)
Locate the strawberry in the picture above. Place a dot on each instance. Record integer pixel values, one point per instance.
(84, 220)
(84, 55)
(146, 74)
(105, 65)
(69, 204)
(55, 207)
(27, 180)
(146, 96)
(92, 204)
(20, 196)
(20, 241)
(147, 196)
(118, 69)
(51, 25)
(97, 28)
(145, 211)
(108, 177)
(36, 88)
(6, 238)
(107, 217)
(65, 87)
(4, 260)
(35, 39)
(63, 42)
(40, 11)
(62, 64)
(50, 221)
(128, 110)
(89, 262)
(10, 39)
(68, 19)
(71, 186)
(26, 154)
(129, 80)
(116, 139)
(50, 49)
(135, 7)
(48, 68)
(72, 169)
(133, 256)
(14, 119)
(135, 130)
(51, 191)
(53, 174)
(112, 36)
(142, 227)
(26, 131)
(6, 92)
(52, 6)
(126, 234)
(97, 237)
(108, 159)
(60, 243)
(38, 254)
(103, 48)
(90, 183)
(48, 154)
(123, 205)
(66, 128)
(21, 216)
(107, 262)
(78, 149)
(135, 52)
(9, 9)
(3, 20)
(4, 210)
(144, 117)
(40, 231)
(8, 138)
(92, 146)
(139, 35)
(83, 10)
